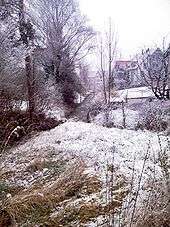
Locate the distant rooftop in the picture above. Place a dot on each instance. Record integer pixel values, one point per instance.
(125, 64)
(133, 93)
(125, 61)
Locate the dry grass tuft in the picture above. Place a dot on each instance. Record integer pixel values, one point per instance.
(75, 197)
(155, 219)
(41, 201)
(82, 212)
(37, 165)
(6, 220)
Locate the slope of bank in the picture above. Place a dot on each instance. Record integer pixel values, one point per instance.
(78, 174)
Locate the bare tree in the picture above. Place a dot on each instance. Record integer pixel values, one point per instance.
(27, 37)
(84, 74)
(66, 39)
(103, 73)
(108, 46)
(153, 66)
(15, 11)
(12, 81)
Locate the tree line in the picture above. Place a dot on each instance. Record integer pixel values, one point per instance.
(42, 37)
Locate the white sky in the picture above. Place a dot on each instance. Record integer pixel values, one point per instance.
(138, 23)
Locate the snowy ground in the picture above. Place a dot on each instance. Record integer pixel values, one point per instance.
(136, 112)
(115, 118)
(134, 93)
(128, 151)
(95, 144)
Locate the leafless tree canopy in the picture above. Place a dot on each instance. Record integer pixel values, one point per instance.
(108, 52)
(153, 67)
(65, 38)
(55, 30)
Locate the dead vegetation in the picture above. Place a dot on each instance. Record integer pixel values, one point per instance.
(65, 192)
(42, 200)
(73, 199)
(15, 125)
(22, 205)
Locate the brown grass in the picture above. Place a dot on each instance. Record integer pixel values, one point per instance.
(37, 165)
(73, 197)
(82, 212)
(41, 201)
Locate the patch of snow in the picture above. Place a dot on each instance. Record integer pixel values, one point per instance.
(95, 144)
(20, 105)
(133, 93)
(115, 117)
(58, 114)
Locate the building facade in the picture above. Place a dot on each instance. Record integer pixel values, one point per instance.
(126, 74)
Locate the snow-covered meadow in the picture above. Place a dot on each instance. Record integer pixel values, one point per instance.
(132, 156)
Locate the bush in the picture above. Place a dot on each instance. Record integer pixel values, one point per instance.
(153, 119)
(14, 125)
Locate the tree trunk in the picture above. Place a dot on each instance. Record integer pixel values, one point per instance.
(28, 60)
(103, 74)
(123, 115)
(168, 90)
(110, 59)
(30, 85)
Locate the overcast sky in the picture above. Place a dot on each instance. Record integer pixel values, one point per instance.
(138, 23)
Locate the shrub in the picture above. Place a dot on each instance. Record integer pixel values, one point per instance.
(14, 125)
(153, 118)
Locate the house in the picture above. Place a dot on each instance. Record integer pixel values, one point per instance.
(126, 64)
(126, 74)
(133, 94)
